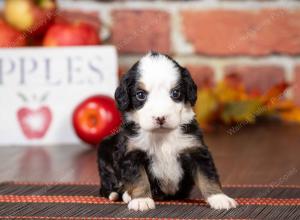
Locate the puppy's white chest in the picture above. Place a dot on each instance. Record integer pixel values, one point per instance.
(166, 167)
(164, 151)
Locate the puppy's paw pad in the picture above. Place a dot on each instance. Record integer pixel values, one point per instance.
(141, 204)
(126, 197)
(113, 196)
(221, 201)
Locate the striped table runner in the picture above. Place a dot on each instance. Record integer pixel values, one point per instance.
(74, 201)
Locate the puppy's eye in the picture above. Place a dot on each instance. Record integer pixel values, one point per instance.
(141, 95)
(175, 94)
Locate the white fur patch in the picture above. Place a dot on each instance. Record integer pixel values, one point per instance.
(113, 196)
(221, 201)
(158, 71)
(164, 148)
(141, 204)
(126, 197)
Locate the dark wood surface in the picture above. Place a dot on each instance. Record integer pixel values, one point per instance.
(260, 154)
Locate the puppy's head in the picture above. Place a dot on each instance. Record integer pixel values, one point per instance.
(157, 93)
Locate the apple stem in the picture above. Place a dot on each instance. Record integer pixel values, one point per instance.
(94, 121)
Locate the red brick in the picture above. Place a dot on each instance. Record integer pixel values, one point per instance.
(258, 78)
(91, 17)
(202, 75)
(296, 86)
(233, 32)
(139, 31)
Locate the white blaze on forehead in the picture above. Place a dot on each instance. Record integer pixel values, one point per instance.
(158, 71)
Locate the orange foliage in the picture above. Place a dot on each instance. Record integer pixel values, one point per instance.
(229, 102)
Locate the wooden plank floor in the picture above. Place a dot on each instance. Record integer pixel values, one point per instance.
(261, 154)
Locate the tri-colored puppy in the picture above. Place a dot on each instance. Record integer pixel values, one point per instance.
(159, 152)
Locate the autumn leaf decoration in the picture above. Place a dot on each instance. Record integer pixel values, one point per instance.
(230, 103)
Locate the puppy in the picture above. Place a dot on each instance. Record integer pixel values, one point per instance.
(159, 152)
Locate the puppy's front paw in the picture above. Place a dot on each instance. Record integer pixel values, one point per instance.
(126, 197)
(141, 204)
(221, 201)
(113, 196)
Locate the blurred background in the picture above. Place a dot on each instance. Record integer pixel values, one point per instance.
(243, 56)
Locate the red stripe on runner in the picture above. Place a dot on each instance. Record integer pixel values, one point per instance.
(100, 200)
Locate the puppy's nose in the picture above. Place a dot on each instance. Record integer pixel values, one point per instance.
(160, 120)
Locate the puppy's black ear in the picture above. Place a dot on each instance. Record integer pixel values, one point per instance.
(191, 87)
(122, 94)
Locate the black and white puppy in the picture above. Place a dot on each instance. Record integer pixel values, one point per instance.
(159, 152)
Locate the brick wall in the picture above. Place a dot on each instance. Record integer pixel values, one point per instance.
(259, 40)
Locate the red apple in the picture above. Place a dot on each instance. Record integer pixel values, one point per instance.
(10, 37)
(71, 34)
(96, 118)
(31, 16)
(34, 123)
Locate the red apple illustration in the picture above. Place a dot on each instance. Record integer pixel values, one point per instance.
(34, 123)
